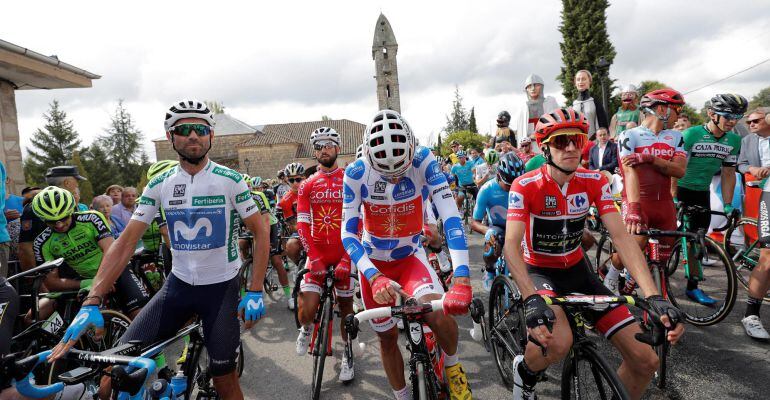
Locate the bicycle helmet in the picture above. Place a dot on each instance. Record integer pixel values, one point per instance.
(503, 119)
(461, 153)
(281, 174)
(255, 182)
(440, 160)
(188, 109)
(324, 134)
(661, 96)
(294, 169)
(160, 167)
(561, 118)
(509, 168)
(389, 144)
(360, 151)
(729, 103)
(53, 203)
(492, 157)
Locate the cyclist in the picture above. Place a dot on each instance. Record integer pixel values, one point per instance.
(463, 170)
(710, 148)
(319, 219)
(390, 184)
(493, 202)
(485, 171)
(201, 200)
(547, 209)
(651, 154)
(288, 203)
(282, 187)
(81, 238)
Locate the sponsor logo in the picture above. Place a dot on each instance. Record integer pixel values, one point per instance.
(355, 170)
(666, 153)
(215, 200)
(139, 213)
(392, 209)
(550, 201)
(377, 197)
(148, 201)
(515, 201)
(193, 229)
(239, 198)
(445, 187)
(249, 208)
(446, 195)
(379, 186)
(3, 307)
(606, 192)
(326, 195)
(764, 222)
(176, 202)
(179, 190)
(415, 332)
(526, 181)
(434, 174)
(404, 189)
(227, 173)
(577, 203)
(722, 150)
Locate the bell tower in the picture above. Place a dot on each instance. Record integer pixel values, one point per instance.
(384, 50)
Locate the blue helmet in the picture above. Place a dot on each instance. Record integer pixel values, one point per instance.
(509, 168)
(461, 153)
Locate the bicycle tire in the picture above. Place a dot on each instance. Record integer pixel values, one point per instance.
(661, 281)
(604, 250)
(509, 341)
(676, 281)
(600, 369)
(271, 285)
(295, 295)
(743, 265)
(320, 348)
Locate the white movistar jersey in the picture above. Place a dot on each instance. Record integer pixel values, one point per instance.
(202, 212)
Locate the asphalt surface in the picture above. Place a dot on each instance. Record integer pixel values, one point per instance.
(717, 362)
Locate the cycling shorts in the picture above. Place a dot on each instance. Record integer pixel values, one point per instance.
(687, 197)
(169, 310)
(275, 240)
(470, 189)
(661, 214)
(414, 274)
(130, 291)
(314, 282)
(580, 279)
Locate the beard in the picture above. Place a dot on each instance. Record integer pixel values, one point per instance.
(330, 161)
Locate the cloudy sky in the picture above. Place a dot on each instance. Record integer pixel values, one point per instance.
(275, 62)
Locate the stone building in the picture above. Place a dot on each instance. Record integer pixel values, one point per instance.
(384, 50)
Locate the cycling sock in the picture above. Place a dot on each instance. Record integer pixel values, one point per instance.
(752, 306)
(612, 273)
(692, 284)
(287, 291)
(449, 361)
(402, 394)
(160, 361)
(528, 377)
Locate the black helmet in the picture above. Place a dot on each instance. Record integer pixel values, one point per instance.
(509, 168)
(729, 103)
(504, 118)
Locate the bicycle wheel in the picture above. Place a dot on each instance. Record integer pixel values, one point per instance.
(319, 349)
(196, 368)
(745, 255)
(507, 329)
(271, 284)
(719, 282)
(604, 251)
(661, 282)
(586, 375)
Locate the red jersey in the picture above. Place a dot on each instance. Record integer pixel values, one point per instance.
(287, 204)
(319, 212)
(667, 144)
(554, 218)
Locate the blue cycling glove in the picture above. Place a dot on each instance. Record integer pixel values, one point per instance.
(252, 306)
(87, 317)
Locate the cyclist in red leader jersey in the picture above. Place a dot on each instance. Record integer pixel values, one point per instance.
(548, 207)
(319, 221)
(651, 154)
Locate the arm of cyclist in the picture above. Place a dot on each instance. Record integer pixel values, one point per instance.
(675, 168)
(728, 187)
(304, 229)
(635, 218)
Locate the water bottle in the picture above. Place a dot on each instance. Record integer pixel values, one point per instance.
(630, 283)
(178, 384)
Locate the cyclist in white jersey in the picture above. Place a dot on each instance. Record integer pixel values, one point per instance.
(202, 201)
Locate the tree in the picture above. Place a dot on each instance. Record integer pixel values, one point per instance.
(86, 189)
(53, 145)
(469, 140)
(100, 169)
(216, 107)
(325, 118)
(124, 143)
(472, 121)
(761, 99)
(457, 120)
(585, 40)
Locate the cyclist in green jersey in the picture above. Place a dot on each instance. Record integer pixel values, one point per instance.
(709, 148)
(81, 238)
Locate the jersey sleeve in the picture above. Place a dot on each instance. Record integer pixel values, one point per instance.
(304, 221)
(27, 231)
(600, 193)
(287, 204)
(352, 187)
(149, 203)
(240, 197)
(518, 206)
(732, 159)
(689, 136)
(627, 143)
(442, 198)
(679, 150)
(261, 201)
(39, 247)
(100, 224)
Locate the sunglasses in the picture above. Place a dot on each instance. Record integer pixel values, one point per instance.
(753, 121)
(730, 116)
(296, 180)
(325, 146)
(187, 129)
(561, 142)
(54, 223)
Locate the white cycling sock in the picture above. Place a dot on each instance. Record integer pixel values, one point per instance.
(402, 394)
(449, 361)
(612, 273)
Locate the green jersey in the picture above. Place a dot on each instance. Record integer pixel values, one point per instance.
(534, 163)
(264, 205)
(79, 246)
(623, 117)
(706, 155)
(152, 238)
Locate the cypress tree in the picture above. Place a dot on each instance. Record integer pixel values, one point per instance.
(472, 121)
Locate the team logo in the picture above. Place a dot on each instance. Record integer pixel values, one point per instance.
(179, 190)
(379, 186)
(404, 190)
(550, 201)
(577, 203)
(194, 229)
(327, 219)
(515, 201)
(606, 192)
(434, 174)
(355, 170)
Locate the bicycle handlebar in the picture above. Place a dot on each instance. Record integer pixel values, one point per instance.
(352, 321)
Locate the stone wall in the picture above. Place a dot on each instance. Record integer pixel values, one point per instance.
(10, 152)
(224, 148)
(265, 161)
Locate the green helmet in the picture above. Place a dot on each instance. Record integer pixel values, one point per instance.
(160, 167)
(492, 157)
(256, 182)
(247, 178)
(53, 203)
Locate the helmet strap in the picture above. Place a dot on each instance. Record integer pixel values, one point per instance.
(549, 161)
(191, 160)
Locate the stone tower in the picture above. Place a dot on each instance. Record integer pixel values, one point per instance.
(384, 50)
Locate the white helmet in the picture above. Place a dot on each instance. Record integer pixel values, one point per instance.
(360, 151)
(533, 79)
(389, 144)
(188, 109)
(324, 134)
(294, 169)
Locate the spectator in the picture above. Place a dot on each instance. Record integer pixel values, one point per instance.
(755, 147)
(487, 148)
(593, 110)
(80, 206)
(27, 194)
(627, 113)
(525, 152)
(115, 192)
(603, 156)
(487, 169)
(537, 104)
(503, 145)
(103, 204)
(13, 203)
(5, 238)
(123, 211)
(682, 123)
(455, 146)
(475, 159)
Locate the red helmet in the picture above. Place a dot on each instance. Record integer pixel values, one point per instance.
(562, 118)
(661, 96)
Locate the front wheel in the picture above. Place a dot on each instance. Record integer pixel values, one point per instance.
(586, 375)
(507, 328)
(320, 348)
(745, 255)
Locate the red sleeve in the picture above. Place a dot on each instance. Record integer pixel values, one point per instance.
(601, 195)
(287, 203)
(303, 215)
(517, 204)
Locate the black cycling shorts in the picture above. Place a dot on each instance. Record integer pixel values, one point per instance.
(9, 310)
(275, 240)
(177, 301)
(130, 291)
(687, 197)
(579, 278)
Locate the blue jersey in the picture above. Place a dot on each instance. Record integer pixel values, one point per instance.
(493, 201)
(464, 173)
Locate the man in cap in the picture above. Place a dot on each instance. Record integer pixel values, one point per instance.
(537, 104)
(628, 111)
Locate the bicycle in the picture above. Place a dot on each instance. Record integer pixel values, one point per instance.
(271, 286)
(469, 203)
(321, 340)
(147, 266)
(426, 360)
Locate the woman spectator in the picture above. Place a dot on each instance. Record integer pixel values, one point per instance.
(103, 204)
(115, 192)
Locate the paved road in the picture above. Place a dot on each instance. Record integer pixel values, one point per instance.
(717, 362)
